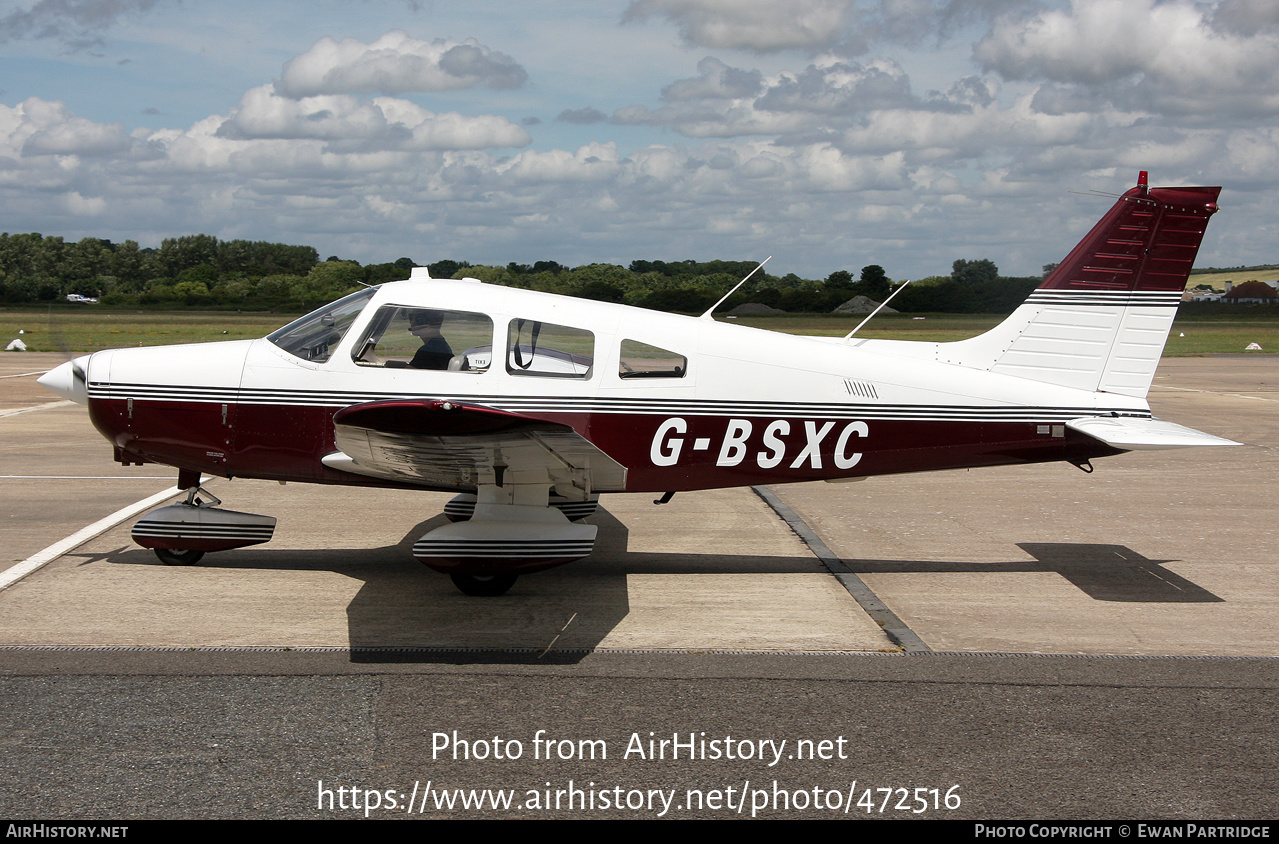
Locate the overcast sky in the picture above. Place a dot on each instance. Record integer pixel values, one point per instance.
(832, 133)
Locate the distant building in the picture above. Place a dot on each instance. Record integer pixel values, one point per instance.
(1252, 292)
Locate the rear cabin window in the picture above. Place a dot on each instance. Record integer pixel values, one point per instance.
(401, 337)
(640, 360)
(546, 350)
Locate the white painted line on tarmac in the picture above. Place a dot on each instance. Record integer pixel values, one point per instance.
(46, 406)
(57, 549)
(25, 374)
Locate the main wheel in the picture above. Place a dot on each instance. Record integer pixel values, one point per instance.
(483, 585)
(178, 558)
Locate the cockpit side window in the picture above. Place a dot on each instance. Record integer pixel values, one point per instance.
(406, 337)
(549, 351)
(314, 336)
(640, 360)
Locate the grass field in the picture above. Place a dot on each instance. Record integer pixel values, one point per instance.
(1218, 280)
(1202, 335)
(85, 329)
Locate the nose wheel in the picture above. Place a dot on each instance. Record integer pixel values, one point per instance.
(180, 534)
(178, 558)
(483, 585)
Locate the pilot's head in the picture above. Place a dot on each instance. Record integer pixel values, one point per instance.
(425, 322)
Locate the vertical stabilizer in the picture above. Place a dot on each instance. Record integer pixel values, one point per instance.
(1100, 319)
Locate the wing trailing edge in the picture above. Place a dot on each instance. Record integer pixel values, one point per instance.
(460, 446)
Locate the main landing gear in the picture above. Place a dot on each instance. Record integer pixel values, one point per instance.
(460, 507)
(483, 585)
(494, 536)
(502, 532)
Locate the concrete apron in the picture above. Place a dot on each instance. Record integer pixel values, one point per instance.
(1155, 553)
(711, 570)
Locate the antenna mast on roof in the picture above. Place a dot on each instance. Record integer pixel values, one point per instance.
(712, 308)
(850, 334)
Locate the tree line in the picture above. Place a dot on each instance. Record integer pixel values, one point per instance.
(203, 271)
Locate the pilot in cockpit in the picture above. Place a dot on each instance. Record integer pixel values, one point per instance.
(435, 352)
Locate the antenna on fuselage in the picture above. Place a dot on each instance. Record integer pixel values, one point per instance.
(712, 308)
(850, 334)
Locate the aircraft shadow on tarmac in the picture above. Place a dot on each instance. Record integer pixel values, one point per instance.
(405, 613)
(1103, 572)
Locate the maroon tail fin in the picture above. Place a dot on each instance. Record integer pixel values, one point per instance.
(1100, 319)
(1146, 243)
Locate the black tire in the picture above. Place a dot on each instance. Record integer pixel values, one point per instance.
(178, 558)
(483, 585)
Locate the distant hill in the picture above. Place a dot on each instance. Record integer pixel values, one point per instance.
(1218, 277)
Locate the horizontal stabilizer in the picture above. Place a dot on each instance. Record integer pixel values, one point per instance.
(1134, 434)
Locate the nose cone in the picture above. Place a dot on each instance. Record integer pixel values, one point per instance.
(70, 380)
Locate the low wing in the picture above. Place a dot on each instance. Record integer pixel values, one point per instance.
(1134, 434)
(453, 445)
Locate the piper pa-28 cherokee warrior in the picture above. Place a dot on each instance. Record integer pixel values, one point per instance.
(530, 405)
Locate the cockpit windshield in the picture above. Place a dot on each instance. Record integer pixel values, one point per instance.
(314, 336)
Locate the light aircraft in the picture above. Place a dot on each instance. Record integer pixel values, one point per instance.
(530, 405)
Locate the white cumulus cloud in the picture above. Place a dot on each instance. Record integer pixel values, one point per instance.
(1139, 55)
(38, 127)
(763, 25)
(396, 64)
(825, 161)
(827, 96)
(362, 125)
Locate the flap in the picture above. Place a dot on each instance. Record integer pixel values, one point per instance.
(459, 446)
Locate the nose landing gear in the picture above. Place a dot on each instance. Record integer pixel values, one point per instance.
(180, 534)
(178, 558)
